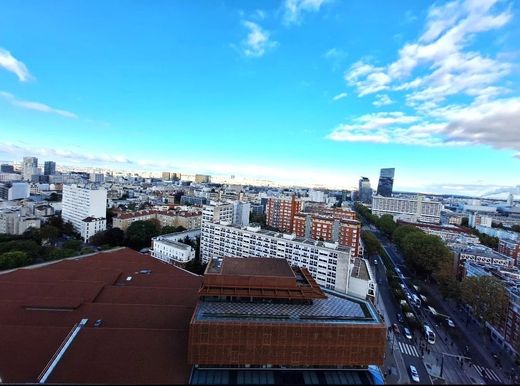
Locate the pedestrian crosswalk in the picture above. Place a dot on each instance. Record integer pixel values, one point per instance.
(487, 373)
(408, 349)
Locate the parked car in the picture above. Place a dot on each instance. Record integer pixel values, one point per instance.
(407, 333)
(413, 374)
(400, 317)
(450, 323)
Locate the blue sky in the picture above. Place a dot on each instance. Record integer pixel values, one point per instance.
(301, 91)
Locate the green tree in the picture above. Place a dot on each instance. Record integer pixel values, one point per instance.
(53, 197)
(180, 228)
(57, 253)
(49, 233)
(424, 253)
(516, 227)
(30, 247)
(139, 234)
(258, 218)
(486, 296)
(115, 236)
(387, 224)
(14, 259)
(72, 244)
(371, 243)
(167, 229)
(446, 278)
(401, 232)
(33, 234)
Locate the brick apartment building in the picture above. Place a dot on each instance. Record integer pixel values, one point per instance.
(509, 248)
(279, 212)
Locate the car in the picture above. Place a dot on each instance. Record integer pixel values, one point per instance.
(413, 374)
(396, 328)
(400, 317)
(407, 333)
(98, 323)
(450, 323)
(375, 262)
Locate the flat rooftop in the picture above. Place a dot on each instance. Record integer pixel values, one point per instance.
(336, 308)
(360, 270)
(144, 334)
(255, 267)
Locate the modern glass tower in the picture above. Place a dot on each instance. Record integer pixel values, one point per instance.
(49, 168)
(386, 182)
(365, 190)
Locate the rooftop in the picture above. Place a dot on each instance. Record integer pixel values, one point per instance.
(360, 270)
(335, 308)
(256, 267)
(143, 337)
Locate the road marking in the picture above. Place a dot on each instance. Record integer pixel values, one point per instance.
(490, 374)
(408, 349)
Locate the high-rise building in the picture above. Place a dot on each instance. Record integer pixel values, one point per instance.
(29, 167)
(217, 211)
(165, 176)
(5, 168)
(386, 182)
(85, 208)
(365, 190)
(49, 168)
(97, 178)
(279, 212)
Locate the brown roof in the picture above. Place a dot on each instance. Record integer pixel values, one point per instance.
(143, 338)
(260, 266)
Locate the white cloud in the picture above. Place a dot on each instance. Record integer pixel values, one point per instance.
(448, 68)
(339, 96)
(37, 106)
(382, 100)
(293, 9)
(258, 40)
(10, 63)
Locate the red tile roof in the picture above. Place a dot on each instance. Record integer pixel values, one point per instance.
(143, 338)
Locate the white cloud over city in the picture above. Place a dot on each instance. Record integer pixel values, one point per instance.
(10, 63)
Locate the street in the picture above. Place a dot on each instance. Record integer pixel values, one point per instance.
(439, 360)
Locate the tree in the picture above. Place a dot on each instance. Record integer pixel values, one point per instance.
(72, 244)
(30, 247)
(50, 233)
(371, 243)
(516, 227)
(424, 253)
(167, 229)
(53, 197)
(139, 234)
(33, 234)
(14, 259)
(179, 228)
(446, 278)
(387, 224)
(110, 216)
(258, 218)
(486, 296)
(401, 232)
(112, 237)
(57, 254)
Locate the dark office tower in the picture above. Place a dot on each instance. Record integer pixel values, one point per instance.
(49, 168)
(5, 168)
(365, 190)
(386, 182)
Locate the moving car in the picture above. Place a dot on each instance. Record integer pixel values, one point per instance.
(407, 333)
(450, 323)
(413, 374)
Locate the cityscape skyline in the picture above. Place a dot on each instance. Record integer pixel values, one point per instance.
(434, 95)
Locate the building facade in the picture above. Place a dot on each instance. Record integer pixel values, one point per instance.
(279, 212)
(264, 313)
(14, 190)
(386, 182)
(171, 251)
(510, 248)
(80, 203)
(364, 190)
(29, 167)
(416, 209)
(49, 168)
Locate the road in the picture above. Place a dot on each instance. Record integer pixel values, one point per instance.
(439, 357)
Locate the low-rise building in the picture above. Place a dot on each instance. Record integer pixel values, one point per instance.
(14, 190)
(171, 251)
(510, 248)
(186, 219)
(92, 225)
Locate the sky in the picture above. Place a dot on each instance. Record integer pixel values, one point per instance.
(309, 92)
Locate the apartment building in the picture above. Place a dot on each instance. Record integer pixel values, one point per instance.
(13, 222)
(330, 264)
(510, 248)
(337, 225)
(475, 219)
(80, 203)
(417, 209)
(280, 212)
(14, 190)
(218, 211)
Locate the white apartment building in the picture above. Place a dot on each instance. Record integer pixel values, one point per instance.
(331, 265)
(84, 208)
(14, 191)
(475, 219)
(218, 211)
(171, 251)
(241, 212)
(417, 209)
